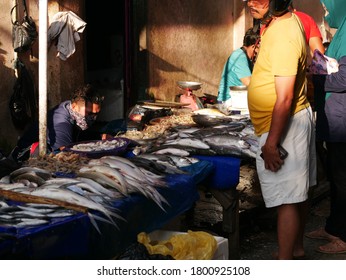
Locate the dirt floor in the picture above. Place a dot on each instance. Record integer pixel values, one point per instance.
(258, 236)
(257, 224)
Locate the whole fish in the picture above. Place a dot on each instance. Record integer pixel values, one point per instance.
(188, 142)
(226, 141)
(36, 209)
(229, 145)
(73, 198)
(25, 222)
(172, 151)
(130, 170)
(125, 167)
(107, 192)
(29, 176)
(27, 214)
(71, 182)
(11, 186)
(61, 213)
(164, 161)
(44, 174)
(102, 179)
(109, 172)
(182, 161)
(149, 165)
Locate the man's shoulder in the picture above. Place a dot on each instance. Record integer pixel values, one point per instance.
(63, 106)
(60, 112)
(304, 16)
(237, 54)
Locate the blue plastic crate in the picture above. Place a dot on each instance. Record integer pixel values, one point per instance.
(225, 174)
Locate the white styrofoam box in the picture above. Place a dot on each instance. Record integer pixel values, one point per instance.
(221, 252)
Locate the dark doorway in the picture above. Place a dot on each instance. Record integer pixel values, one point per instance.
(105, 35)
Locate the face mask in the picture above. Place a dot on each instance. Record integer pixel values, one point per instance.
(90, 119)
(80, 120)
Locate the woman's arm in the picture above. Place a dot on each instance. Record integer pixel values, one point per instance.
(336, 82)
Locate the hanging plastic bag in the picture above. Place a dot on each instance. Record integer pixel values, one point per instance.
(23, 102)
(24, 33)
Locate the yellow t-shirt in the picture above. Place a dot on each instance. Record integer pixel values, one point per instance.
(282, 53)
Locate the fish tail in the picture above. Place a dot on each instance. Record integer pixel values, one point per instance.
(93, 222)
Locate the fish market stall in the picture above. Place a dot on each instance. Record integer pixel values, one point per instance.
(95, 229)
(227, 142)
(154, 178)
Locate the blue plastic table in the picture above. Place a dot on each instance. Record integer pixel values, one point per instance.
(75, 238)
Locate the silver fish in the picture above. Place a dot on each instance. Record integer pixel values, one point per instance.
(36, 209)
(73, 198)
(27, 214)
(100, 188)
(25, 222)
(188, 142)
(172, 151)
(11, 186)
(61, 213)
(131, 170)
(182, 161)
(165, 161)
(102, 179)
(229, 145)
(44, 174)
(109, 172)
(29, 176)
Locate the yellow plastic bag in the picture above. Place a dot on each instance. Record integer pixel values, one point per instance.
(194, 245)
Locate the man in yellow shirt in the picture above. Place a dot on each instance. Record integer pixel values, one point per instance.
(281, 115)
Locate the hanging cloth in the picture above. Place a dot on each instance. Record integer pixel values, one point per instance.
(65, 28)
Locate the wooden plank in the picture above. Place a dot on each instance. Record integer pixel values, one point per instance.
(27, 198)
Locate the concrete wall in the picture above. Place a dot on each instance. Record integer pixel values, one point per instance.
(174, 40)
(63, 76)
(191, 40)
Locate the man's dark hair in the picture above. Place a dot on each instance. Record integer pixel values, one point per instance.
(279, 7)
(250, 37)
(87, 93)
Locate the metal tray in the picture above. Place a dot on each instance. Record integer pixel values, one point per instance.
(119, 150)
(163, 104)
(189, 85)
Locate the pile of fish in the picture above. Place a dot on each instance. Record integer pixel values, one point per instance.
(94, 190)
(30, 214)
(236, 138)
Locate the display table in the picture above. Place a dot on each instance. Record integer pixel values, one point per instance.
(222, 183)
(75, 238)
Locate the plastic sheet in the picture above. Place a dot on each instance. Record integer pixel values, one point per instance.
(193, 245)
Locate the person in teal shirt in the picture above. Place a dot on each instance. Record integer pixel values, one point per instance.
(331, 128)
(238, 67)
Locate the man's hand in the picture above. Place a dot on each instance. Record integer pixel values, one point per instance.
(105, 136)
(271, 157)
